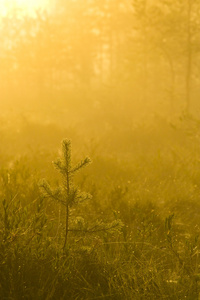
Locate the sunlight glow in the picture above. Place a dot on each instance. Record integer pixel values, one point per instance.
(27, 6)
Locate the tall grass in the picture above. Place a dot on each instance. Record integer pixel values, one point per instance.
(136, 238)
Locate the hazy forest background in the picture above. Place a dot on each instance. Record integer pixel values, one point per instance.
(121, 80)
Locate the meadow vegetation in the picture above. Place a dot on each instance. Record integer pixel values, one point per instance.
(136, 237)
(120, 82)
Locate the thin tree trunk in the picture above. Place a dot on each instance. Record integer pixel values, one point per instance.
(145, 71)
(172, 85)
(189, 58)
(67, 211)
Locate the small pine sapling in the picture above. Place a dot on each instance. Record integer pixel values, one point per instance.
(67, 193)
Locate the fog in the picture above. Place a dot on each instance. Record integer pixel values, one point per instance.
(111, 85)
(99, 67)
(115, 77)
(111, 61)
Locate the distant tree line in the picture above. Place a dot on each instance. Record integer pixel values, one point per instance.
(147, 50)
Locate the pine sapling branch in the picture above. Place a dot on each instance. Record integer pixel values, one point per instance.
(67, 194)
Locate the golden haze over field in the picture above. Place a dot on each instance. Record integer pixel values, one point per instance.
(117, 83)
